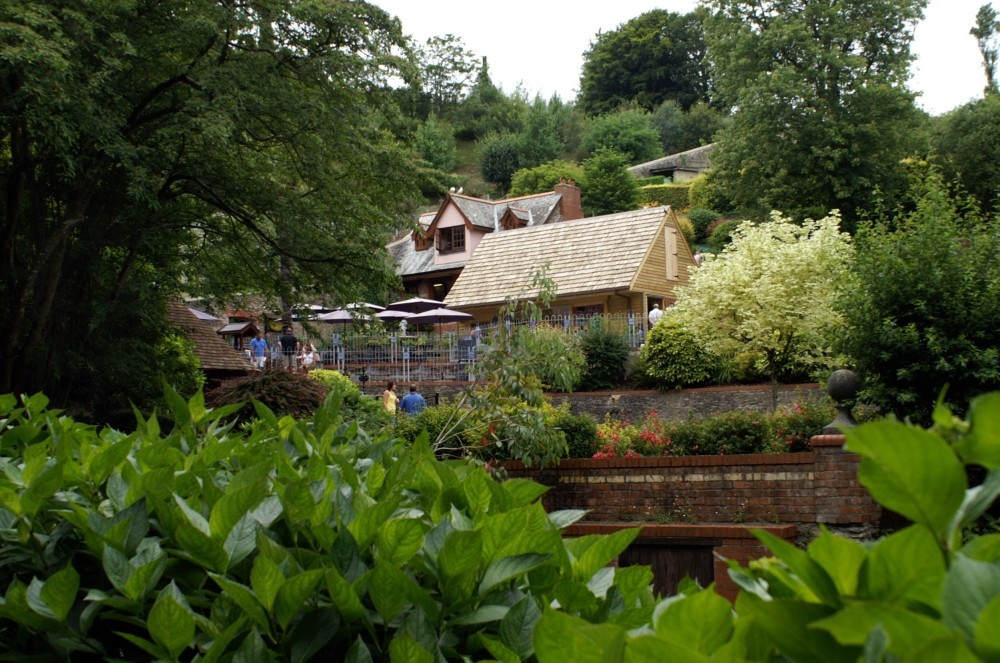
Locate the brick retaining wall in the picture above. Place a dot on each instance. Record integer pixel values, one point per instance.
(790, 490)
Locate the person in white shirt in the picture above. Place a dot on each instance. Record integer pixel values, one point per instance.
(655, 315)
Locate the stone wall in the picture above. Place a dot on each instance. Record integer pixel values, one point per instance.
(677, 405)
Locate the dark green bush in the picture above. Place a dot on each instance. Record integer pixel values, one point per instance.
(674, 359)
(735, 433)
(701, 219)
(607, 354)
(580, 431)
(281, 391)
(722, 234)
(685, 439)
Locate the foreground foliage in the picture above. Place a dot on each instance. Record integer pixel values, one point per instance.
(296, 541)
(920, 594)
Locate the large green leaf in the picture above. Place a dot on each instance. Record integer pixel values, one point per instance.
(906, 566)
(986, 634)
(55, 597)
(518, 626)
(311, 633)
(170, 621)
(523, 492)
(462, 551)
(560, 638)
(601, 551)
(241, 539)
(702, 621)
(266, 579)
(344, 596)
(365, 527)
(147, 566)
(981, 445)
(100, 467)
(506, 568)
(484, 614)
(841, 559)
(906, 629)
(399, 540)
(245, 598)
(911, 471)
(969, 587)
(404, 649)
(807, 571)
(241, 497)
(293, 594)
(41, 487)
(647, 648)
(788, 625)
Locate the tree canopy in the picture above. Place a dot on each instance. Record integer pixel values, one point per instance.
(823, 116)
(654, 57)
(152, 146)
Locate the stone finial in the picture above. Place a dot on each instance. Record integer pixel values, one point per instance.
(842, 386)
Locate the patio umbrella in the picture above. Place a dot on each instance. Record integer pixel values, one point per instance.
(439, 315)
(415, 305)
(343, 316)
(363, 306)
(390, 314)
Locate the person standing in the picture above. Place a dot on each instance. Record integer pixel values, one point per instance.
(413, 402)
(258, 350)
(389, 398)
(289, 348)
(655, 315)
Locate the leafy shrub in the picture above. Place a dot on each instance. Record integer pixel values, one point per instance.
(281, 391)
(674, 359)
(354, 404)
(607, 353)
(701, 219)
(721, 234)
(580, 431)
(285, 541)
(736, 433)
(686, 438)
(544, 177)
(687, 229)
(498, 158)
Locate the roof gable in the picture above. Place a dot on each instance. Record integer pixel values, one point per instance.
(585, 255)
(215, 354)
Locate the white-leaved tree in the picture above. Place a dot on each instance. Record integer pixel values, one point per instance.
(768, 297)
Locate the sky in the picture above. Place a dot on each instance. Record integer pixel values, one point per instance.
(539, 44)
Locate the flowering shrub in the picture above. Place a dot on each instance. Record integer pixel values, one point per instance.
(616, 438)
(731, 433)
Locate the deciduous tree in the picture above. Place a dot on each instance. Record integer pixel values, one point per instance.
(769, 295)
(148, 146)
(654, 57)
(609, 187)
(823, 116)
(923, 308)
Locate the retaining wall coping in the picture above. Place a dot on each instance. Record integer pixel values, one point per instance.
(799, 458)
(827, 440)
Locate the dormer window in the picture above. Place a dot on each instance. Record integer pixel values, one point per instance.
(421, 242)
(451, 239)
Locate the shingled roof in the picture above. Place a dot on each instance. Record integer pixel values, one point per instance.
(541, 207)
(215, 354)
(600, 253)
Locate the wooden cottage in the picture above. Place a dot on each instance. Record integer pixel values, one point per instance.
(614, 264)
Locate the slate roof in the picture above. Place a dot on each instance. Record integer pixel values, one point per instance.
(215, 354)
(595, 254)
(410, 261)
(691, 160)
(541, 207)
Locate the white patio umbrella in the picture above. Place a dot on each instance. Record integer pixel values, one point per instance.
(363, 306)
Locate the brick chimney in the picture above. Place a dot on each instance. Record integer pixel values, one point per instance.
(569, 204)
